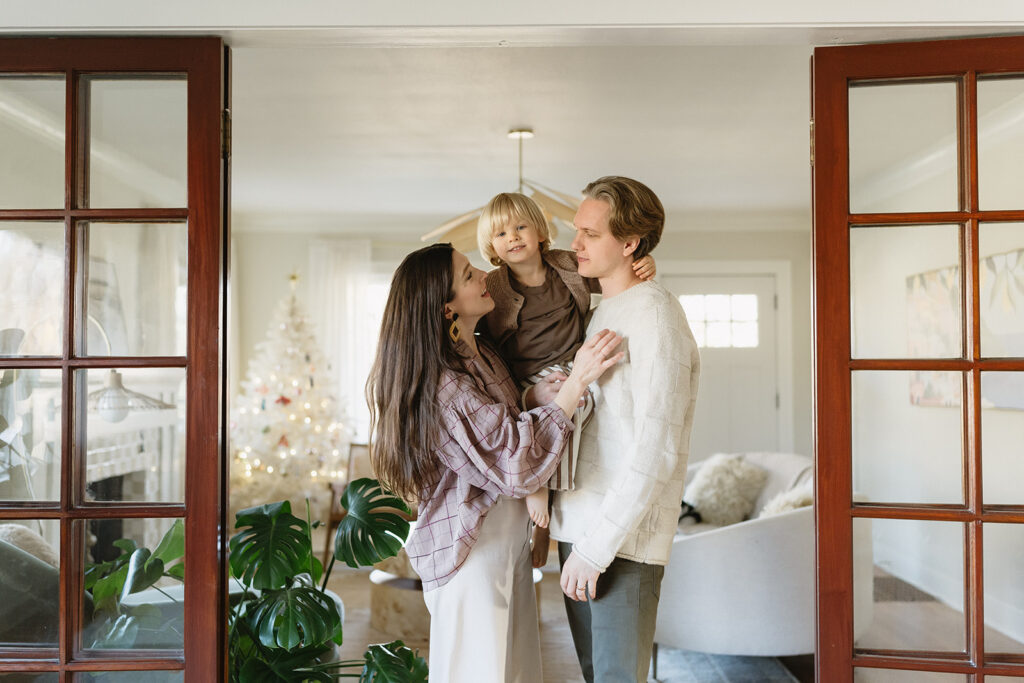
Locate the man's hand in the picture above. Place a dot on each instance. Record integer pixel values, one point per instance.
(579, 578)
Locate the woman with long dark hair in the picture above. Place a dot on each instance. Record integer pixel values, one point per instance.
(448, 433)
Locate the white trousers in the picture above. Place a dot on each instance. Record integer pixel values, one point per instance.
(483, 623)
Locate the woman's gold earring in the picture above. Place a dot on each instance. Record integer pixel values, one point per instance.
(453, 329)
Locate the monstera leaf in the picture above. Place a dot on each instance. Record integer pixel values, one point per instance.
(294, 617)
(272, 547)
(285, 667)
(374, 528)
(393, 663)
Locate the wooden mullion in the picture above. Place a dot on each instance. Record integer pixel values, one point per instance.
(97, 215)
(1003, 514)
(129, 362)
(882, 220)
(921, 512)
(109, 509)
(146, 660)
(24, 659)
(1004, 664)
(910, 364)
(914, 660)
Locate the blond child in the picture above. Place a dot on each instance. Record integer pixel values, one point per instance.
(538, 322)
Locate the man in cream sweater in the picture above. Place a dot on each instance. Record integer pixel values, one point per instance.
(615, 528)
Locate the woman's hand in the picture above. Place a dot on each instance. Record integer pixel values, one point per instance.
(644, 268)
(544, 391)
(595, 356)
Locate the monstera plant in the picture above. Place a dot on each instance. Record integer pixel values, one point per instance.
(285, 624)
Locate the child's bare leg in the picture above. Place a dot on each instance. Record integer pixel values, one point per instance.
(541, 542)
(537, 504)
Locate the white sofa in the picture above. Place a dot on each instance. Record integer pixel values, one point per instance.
(748, 588)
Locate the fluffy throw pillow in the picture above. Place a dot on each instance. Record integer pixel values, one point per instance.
(26, 539)
(725, 489)
(799, 496)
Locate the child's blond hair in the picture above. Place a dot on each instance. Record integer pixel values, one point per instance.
(502, 211)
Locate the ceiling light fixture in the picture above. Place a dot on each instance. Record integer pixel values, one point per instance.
(559, 208)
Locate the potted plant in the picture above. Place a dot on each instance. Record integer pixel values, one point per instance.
(284, 624)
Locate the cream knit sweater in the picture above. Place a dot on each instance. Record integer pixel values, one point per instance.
(632, 462)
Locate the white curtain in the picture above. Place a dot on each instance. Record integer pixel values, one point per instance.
(339, 277)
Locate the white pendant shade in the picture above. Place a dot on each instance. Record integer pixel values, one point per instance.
(113, 402)
(557, 207)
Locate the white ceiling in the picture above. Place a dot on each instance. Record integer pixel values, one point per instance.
(395, 140)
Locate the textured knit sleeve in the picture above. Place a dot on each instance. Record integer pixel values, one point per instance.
(661, 357)
(498, 449)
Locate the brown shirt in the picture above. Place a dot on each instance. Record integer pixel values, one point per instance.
(550, 327)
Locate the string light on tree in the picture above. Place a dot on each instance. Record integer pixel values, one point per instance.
(287, 438)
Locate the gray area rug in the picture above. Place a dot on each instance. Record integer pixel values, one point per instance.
(684, 666)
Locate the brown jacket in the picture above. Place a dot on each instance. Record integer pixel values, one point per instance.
(504, 319)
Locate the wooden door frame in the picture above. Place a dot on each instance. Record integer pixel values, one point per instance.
(203, 60)
(833, 69)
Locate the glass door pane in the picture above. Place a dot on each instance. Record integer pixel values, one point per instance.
(137, 289)
(903, 147)
(1001, 142)
(1001, 281)
(30, 434)
(138, 130)
(32, 279)
(917, 589)
(905, 292)
(32, 139)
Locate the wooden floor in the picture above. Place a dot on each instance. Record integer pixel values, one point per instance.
(894, 624)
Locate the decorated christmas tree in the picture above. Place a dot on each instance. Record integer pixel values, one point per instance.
(287, 440)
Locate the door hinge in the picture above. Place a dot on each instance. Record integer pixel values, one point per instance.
(775, 301)
(778, 401)
(812, 142)
(225, 134)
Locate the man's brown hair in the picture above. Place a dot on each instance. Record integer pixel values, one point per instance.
(635, 211)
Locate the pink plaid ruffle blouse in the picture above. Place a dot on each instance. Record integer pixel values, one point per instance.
(487, 448)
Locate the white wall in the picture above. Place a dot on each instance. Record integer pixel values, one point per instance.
(264, 260)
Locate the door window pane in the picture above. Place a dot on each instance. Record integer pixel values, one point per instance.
(907, 444)
(722, 320)
(1002, 424)
(135, 435)
(1004, 590)
(32, 282)
(152, 616)
(138, 151)
(915, 596)
(30, 580)
(1001, 280)
(905, 292)
(28, 677)
(137, 289)
(903, 148)
(30, 434)
(32, 140)
(1000, 143)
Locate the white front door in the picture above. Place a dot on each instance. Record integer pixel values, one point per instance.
(733, 320)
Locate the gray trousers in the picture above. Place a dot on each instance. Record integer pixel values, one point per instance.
(614, 633)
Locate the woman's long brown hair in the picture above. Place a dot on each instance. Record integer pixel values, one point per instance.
(401, 391)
